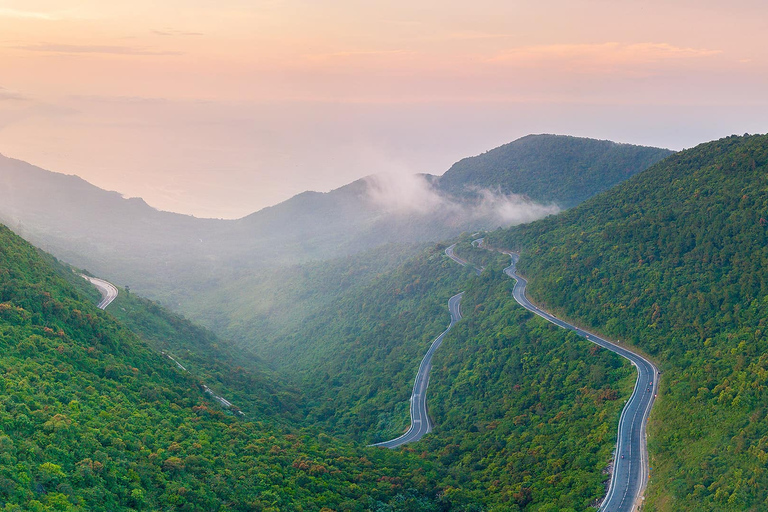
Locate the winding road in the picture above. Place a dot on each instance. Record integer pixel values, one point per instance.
(109, 293)
(107, 289)
(630, 470)
(461, 261)
(420, 422)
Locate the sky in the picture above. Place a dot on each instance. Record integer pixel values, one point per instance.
(218, 109)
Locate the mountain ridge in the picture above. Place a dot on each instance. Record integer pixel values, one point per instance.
(129, 242)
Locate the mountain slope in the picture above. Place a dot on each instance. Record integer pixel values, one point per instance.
(525, 414)
(551, 168)
(92, 419)
(674, 261)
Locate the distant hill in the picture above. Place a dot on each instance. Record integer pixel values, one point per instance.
(166, 255)
(674, 261)
(551, 168)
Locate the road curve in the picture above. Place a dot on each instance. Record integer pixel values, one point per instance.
(630, 470)
(107, 289)
(461, 261)
(420, 422)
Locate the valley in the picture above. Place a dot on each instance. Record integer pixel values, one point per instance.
(524, 410)
(383, 256)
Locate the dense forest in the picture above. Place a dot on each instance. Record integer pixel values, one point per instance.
(94, 419)
(550, 168)
(525, 412)
(355, 359)
(673, 261)
(257, 309)
(512, 397)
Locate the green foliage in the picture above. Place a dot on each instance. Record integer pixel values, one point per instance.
(240, 377)
(551, 168)
(254, 309)
(356, 358)
(92, 419)
(525, 412)
(673, 261)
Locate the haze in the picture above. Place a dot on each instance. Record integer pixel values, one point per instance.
(221, 110)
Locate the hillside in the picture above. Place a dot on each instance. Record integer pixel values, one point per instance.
(674, 262)
(93, 419)
(550, 168)
(356, 357)
(254, 308)
(525, 413)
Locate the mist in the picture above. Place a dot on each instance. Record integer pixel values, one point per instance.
(418, 194)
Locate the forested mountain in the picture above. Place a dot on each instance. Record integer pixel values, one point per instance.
(550, 168)
(98, 418)
(525, 412)
(93, 419)
(169, 256)
(674, 262)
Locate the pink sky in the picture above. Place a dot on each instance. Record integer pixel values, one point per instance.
(219, 111)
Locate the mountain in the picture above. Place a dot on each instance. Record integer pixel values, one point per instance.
(551, 168)
(94, 419)
(513, 396)
(159, 253)
(673, 261)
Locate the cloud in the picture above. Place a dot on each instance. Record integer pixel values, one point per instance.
(357, 53)
(6, 95)
(414, 194)
(95, 49)
(510, 209)
(403, 193)
(171, 32)
(7, 12)
(601, 55)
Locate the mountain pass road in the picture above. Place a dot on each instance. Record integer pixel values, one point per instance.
(630, 470)
(107, 289)
(420, 422)
(461, 261)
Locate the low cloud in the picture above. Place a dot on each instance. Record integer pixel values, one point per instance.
(7, 12)
(510, 209)
(414, 194)
(171, 32)
(6, 95)
(600, 56)
(97, 49)
(403, 193)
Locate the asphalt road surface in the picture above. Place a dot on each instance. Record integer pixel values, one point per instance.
(630, 470)
(420, 422)
(107, 289)
(461, 261)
